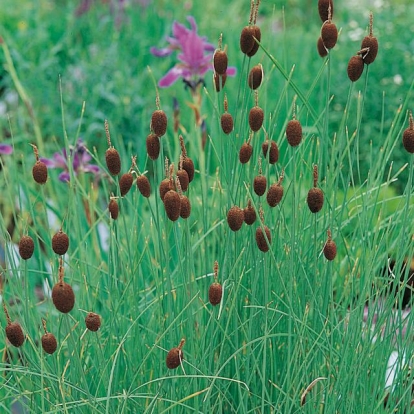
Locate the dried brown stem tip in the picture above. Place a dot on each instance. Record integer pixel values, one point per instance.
(26, 247)
(175, 356)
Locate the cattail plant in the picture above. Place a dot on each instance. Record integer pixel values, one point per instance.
(263, 239)
(113, 208)
(112, 158)
(220, 59)
(322, 50)
(323, 9)
(255, 77)
(182, 175)
(408, 136)
(60, 242)
(219, 81)
(226, 120)
(329, 250)
(215, 291)
(143, 185)
(370, 44)
(153, 146)
(175, 356)
(164, 186)
(260, 182)
(329, 31)
(14, 331)
(275, 192)
(93, 321)
(62, 293)
(172, 200)
(127, 179)
(185, 205)
(39, 170)
(26, 247)
(294, 129)
(235, 218)
(256, 115)
(251, 34)
(270, 147)
(49, 342)
(249, 213)
(315, 195)
(187, 164)
(355, 67)
(158, 119)
(246, 150)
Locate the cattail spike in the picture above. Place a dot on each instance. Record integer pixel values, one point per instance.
(371, 24)
(6, 312)
(182, 342)
(261, 214)
(108, 136)
(259, 162)
(216, 268)
(36, 151)
(282, 175)
(166, 166)
(256, 11)
(226, 105)
(251, 12)
(411, 121)
(61, 270)
(183, 151)
(44, 325)
(315, 175)
(256, 98)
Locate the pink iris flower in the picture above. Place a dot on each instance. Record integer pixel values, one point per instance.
(195, 56)
(6, 149)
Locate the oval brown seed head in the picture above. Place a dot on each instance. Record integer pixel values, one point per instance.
(93, 321)
(113, 161)
(185, 208)
(258, 35)
(256, 117)
(247, 41)
(174, 358)
(235, 218)
(329, 250)
(355, 68)
(315, 199)
(220, 62)
(323, 6)
(63, 297)
(249, 214)
(274, 195)
(245, 153)
(183, 178)
(153, 146)
(294, 132)
(188, 165)
(164, 188)
(215, 293)
(259, 185)
(255, 76)
(60, 243)
(329, 35)
(26, 247)
(227, 123)
(261, 239)
(144, 186)
(113, 209)
(408, 140)
(159, 122)
(370, 42)
(125, 183)
(274, 151)
(39, 172)
(49, 343)
(321, 48)
(14, 333)
(219, 81)
(172, 204)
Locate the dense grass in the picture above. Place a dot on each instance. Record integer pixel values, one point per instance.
(288, 316)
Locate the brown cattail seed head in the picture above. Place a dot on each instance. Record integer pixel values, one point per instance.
(164, 187)
(113, 209)
(175, 356)
(49, 343)
(60, 243)
(255, 76)
(113, 161)
(159, 122)
(220, 62)
(14, 333)
(185, 209)
(219, 81)
(245, 152)
(215, 293)
(256, 117)
(273, 152)
(39, 172)
(274, 194)
(188, 165)
(258, 35)
(408, 136)
(125, 183)
(370, 43)
(172, 204)
(323, 9)
(261, 238)
(329, 34)
(315, 199)
(63, 297)
(247, 41)
(235, 218)
(153, 146)
(144, 186)
(329, 249)
(227, 123)
(182, 176)
(355, 68)
(26, 247)
(294, 132)
(249, 214)
(321, 48)
(93, 321)
(259, 184)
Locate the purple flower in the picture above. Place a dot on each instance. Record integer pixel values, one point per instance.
(6, 149)
(195, 55)
(80, 161)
